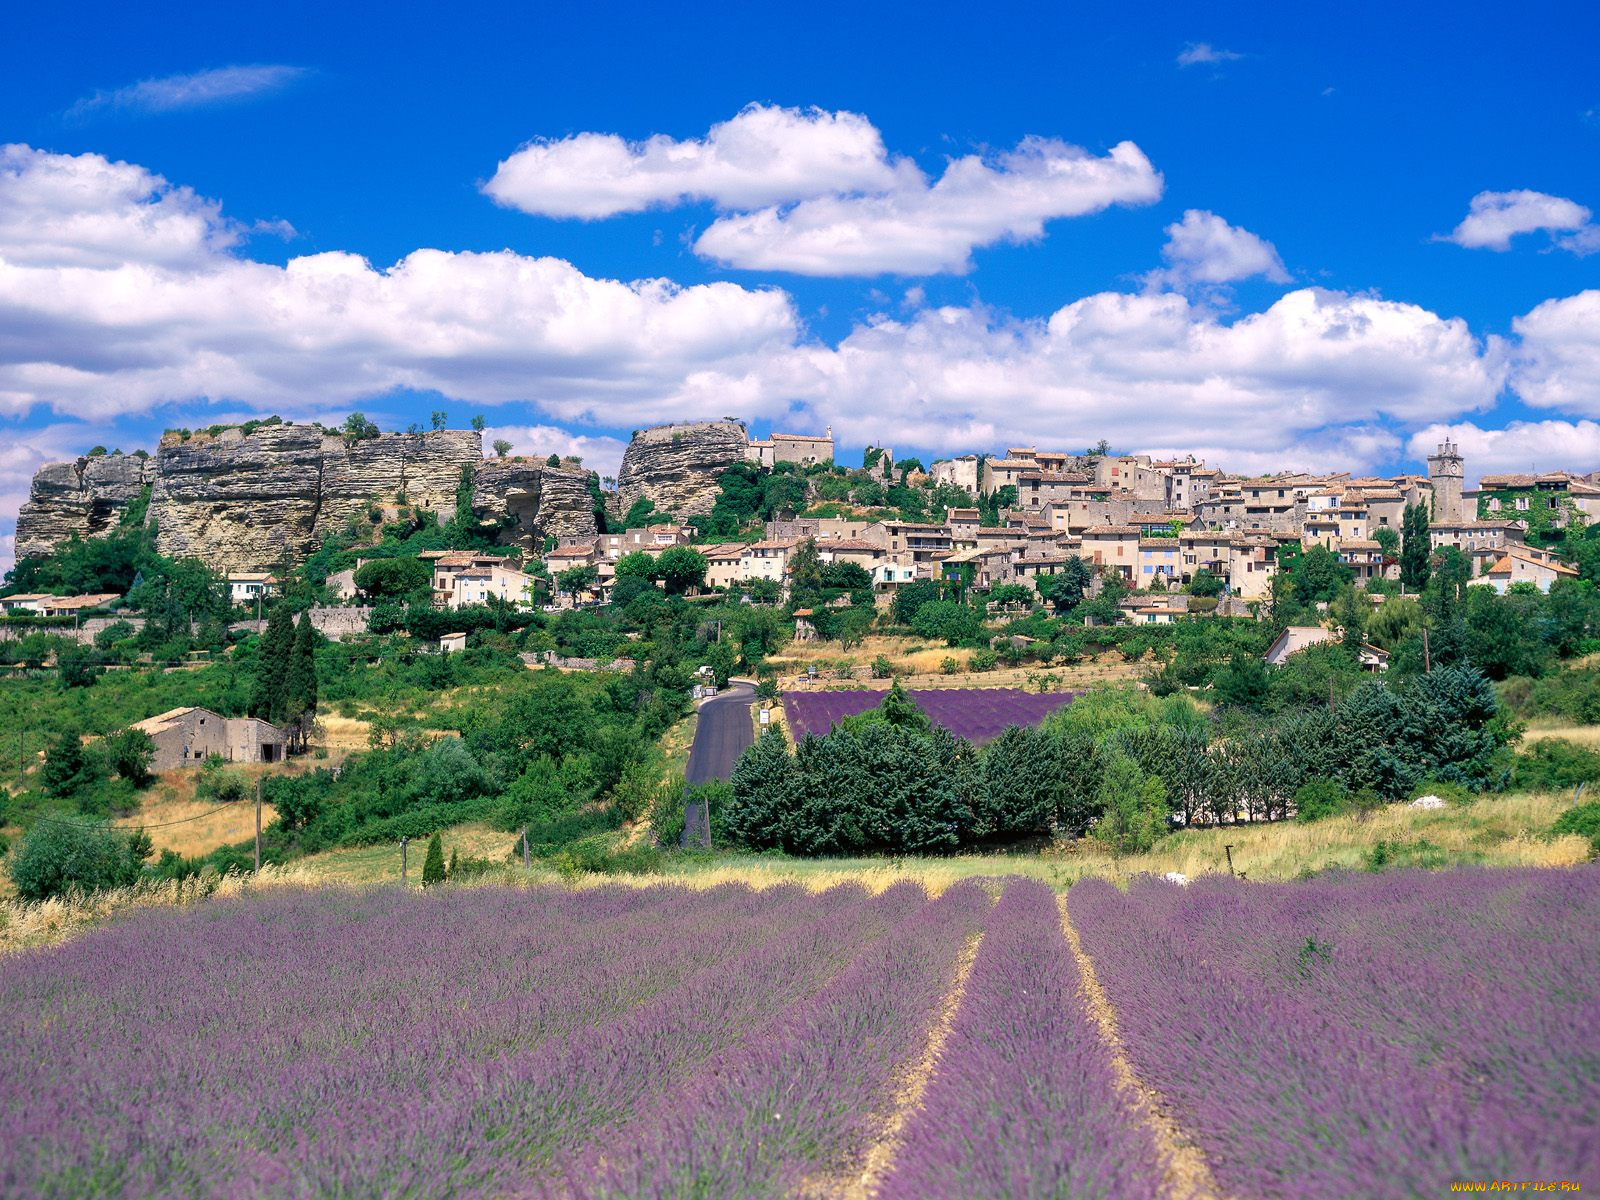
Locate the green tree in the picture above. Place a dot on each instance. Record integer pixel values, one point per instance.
(76, 667)
(636, 563)
(501, 447)
(65, 769)
(909, 597)
(433, 865)
(439, 420)
(300, 682)
(269, 692)
(358, 429)
(1416, 549)
(1133, 806)
(478, 423)
(394, 578)
(765, 793)
(948, 620)
(129, 753)
(1204, 583)
(58, 857)
(1389, 542)
(679, 569)
(577, 579)
(1064, 590)
(805, 572)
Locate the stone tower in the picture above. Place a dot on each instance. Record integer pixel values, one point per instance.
(1445, 472)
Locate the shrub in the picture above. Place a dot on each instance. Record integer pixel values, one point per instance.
(433, 865)
(1320, 798)
(1553, 764)
(882, 668)
(58, 857)
(984, 660)
(1581, 819)
(948, 665)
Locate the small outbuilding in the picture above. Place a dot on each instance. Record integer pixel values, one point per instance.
(186, 737)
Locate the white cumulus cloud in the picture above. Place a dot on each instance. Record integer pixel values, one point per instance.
(1494, 218)
(1205, 54)
(817, 193)
(1142, 369)
(178, 316)
(764, 155)
(599, 453)
(1558, 357)
(918, 228)
(198, 89)
(1203, 249)
(1522, 446)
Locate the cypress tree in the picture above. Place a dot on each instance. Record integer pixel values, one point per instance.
(433, 865)
(269, 697)
(1416, 547)
(300, 680)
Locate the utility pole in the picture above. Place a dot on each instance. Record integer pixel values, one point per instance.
(525, 848)
(1228, 850)
(403, 842)
(258, 826)
(1427, 658)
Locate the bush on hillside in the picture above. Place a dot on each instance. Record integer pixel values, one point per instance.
(59, 857)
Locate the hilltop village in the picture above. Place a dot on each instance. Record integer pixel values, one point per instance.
(258, 501)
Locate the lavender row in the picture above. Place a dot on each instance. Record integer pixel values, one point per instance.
(1369, 1036)
(977, 714)
(802, 1104)
(1025, 1101)
(489, 1127)
(179, 1051)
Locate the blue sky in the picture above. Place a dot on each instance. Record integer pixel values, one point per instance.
(1264, 233)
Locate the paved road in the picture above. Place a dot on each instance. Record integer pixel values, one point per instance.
(722, 734)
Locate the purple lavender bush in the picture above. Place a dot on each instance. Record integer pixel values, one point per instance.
(1364, 1036)
(801, 1103)
(1024, 1101)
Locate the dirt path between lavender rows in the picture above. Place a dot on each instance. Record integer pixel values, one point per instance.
(1188, 1175)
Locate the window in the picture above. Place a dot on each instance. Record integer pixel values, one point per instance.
(1522, 504)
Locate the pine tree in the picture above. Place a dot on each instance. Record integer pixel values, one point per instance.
(433, 865)
(451, 872)
(269, 697)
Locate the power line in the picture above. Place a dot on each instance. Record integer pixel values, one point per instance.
(161, 825)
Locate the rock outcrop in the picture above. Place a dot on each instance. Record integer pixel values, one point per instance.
(531, 501)
(251, 501)
(243, 502)
(84, 498)
(676, 466)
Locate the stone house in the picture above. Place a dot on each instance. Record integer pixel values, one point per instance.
(1471, 536)
(186, 737)
(1518, 566)
(800, 448)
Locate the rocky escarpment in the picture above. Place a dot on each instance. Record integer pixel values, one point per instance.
(676, 466)
(83, 498)
(531, 501)
(242, 501)
(266, 498)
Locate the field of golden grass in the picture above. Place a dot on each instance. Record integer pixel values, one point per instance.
(1583, 735)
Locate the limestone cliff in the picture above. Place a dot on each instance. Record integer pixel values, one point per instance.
(243, 501)
(532, 501)
(676, 466)
(83, 498)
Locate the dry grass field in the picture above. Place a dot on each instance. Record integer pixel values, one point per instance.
(918, 664)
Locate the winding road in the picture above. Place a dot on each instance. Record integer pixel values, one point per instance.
(723, 733)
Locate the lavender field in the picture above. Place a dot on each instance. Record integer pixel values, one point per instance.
(1340, 1038)
(978, 714)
